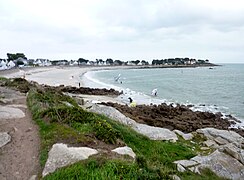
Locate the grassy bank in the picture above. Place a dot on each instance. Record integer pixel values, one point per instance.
(60, 119)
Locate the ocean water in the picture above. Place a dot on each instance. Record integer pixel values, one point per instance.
(220, 89)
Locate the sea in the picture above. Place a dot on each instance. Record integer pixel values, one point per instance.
(213, 89)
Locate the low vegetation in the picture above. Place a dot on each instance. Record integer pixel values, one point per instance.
(60, 119)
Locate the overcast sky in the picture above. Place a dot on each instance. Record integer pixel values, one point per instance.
(123, 29)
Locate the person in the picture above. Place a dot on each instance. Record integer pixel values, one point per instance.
(132, 103)
(79, 84)
(154, 92)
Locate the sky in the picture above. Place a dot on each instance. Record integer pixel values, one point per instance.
(123, 29)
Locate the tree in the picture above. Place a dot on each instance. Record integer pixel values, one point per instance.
(109, 61)
(15, 56)
(82, 61)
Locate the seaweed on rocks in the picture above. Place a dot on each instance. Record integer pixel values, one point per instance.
(180, 117)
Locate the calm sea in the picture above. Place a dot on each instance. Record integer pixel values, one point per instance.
(220, 89)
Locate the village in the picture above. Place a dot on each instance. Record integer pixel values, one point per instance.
(19, 60)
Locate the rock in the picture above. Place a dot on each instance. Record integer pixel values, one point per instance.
(204, 148)
(234, 151)
(154, 133)
(187, 136)
(220, 141)
(10, 112)
(34, 177)
(125, 151)
(60, 155)
(112, 113)
(175, 177)
(212, 133)
(4, 139)
(211, 143)
(221, 164)
(180, 168)
(186, 163)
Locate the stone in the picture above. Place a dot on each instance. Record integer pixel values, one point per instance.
(34, 177)
(10, 112)
(180, 168)
(220, 141)
(112, 113)
(211, 143)
(125, 151)
(212, 133)
(154, 133)
(221, 164)
(187, 136)
(235, 152)
(60, 156)
(175, 177)
(194, 169)
(186, 163)
(204, 148)
(5, 138)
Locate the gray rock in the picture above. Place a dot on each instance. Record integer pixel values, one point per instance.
(125, 151)
(221, 164)
(180, 168)
(187, 136)
(34, 177)
(112, 113)
(211, 143)
(212, 133)
(60, 155)
(186, 163)
(175, 177)
(10, 112)
(220, 141)
(4, 138)
(154, 133)
(234, 151)
(204, 148)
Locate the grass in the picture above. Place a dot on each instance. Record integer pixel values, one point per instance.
(59, 122)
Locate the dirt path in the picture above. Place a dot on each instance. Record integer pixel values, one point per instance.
(19, 159)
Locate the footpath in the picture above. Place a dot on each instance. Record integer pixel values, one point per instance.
(19, 139)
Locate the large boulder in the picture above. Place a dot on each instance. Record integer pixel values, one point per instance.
(61, 155)
(154, 133)
(221, 164)
(221, 136)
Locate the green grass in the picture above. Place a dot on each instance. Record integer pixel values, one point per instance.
(71, 124)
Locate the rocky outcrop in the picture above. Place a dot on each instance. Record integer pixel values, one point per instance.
(61, 155)
(222, 164)
(5, 138)
(154, 133)
(226, 161)
(178, 117)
